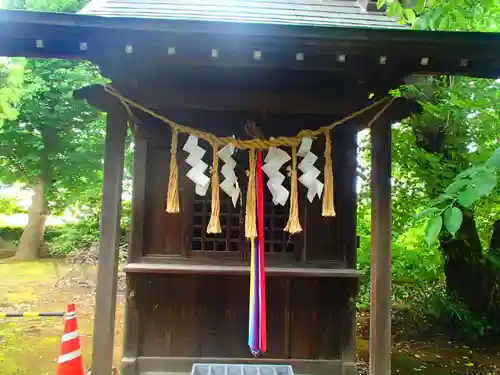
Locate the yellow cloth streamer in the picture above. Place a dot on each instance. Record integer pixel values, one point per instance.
(251, 203)
(214, 223)
(173, 177)
(328, 191)
(293, 225)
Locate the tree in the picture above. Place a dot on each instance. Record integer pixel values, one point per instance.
(452, 139)
(55, 145)
(463, 15)
(67, 6)
(451, 220)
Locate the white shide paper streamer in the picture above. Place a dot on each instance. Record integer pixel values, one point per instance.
(230, 184)
(310, 173)
(194, 159)
(274, 160)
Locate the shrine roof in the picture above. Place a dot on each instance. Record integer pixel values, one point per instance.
(286, 12)
(366, 51)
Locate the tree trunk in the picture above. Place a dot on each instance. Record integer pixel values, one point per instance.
(464, 267)
(32, 237)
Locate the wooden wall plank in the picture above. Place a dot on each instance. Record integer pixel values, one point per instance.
(301, 319)
(345, 175)
(207, 316)
(161, 229)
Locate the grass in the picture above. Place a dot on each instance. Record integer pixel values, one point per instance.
(30, 346)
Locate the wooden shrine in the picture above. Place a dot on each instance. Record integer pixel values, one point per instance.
(284, 67)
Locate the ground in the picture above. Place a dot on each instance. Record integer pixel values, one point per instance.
(30, 346)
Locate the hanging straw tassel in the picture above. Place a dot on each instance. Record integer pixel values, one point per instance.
(214, 223)
(251, 203)
(173, 177)
(328, 201)
(293, 224)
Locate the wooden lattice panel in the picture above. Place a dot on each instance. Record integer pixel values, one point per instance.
(232, 222)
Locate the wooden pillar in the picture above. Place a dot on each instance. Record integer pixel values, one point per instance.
(380, 302)
(135, 251)
(105, 308)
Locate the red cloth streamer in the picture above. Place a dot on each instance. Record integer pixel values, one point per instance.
(262, 273)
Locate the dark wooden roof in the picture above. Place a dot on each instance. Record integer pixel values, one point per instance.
(288, 12)
(365, 53)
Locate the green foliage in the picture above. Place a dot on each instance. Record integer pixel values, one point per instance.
(85, 233)
(75, 237)
(467, 189)
(10, 206)
(433, 229)
(444, 156)
(483, 15)
(415, 272)
(46, 134)
(453, 218)
(453, 317)
(13, 234)
(49, 138)
(66, 6)
(55, 137)
(11, 77)
(64, 239)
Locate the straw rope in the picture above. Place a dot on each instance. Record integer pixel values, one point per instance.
(256, 143)
(328, 192)
(252, 145)
(214, 223)
(251, 203)
(381, 112)
(173, 178)
(293, 225)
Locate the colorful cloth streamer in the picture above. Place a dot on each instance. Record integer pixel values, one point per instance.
(257, 327)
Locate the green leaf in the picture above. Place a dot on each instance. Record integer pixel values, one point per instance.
(485, 182)
(453, 220)
(422, 22)
(380, 3)
(433, 229)
(470, 172)
(419, 6)
(440, 199)
(395, 9)
(460, 20)
(426, 213)
(469, 196)
(444, 23)
(455, 186)
(433, 17)
(494, 160)
(487, 3)
(410, 15)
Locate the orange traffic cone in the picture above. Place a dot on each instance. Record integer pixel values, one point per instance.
(70, 360)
